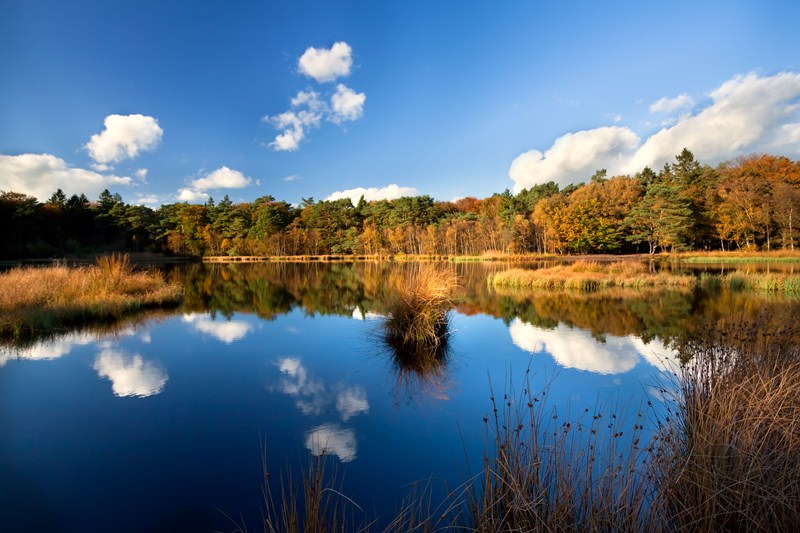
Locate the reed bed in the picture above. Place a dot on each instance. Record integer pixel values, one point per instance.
(546, 471)
(730, 458)
(40, 301)
(590, 276)
(776, 282)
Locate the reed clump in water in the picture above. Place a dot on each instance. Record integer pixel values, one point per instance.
(418, 322)
(40, 301)
(590, 276)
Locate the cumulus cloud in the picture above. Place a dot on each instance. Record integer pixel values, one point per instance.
(390, 192)
(575, 156)
(124, 137)
(308, 108)
(141, 174)
(347, 104)
(747, 114)
(222, 178)
(130, 375)
(332, 439)
(190, 196)
(40, 175)
(326, 64)
(670, 105)
(227, 331)
(576, 348)
(307, 111)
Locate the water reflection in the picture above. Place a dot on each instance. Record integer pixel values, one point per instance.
(48, 349)
(227, 331)
(130, 375)
(313, 397)
(332, 439)
(578, 349)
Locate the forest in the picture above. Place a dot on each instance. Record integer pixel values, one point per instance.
(749, 203)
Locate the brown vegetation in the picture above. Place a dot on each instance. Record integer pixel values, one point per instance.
(40, 301)
(590, 276)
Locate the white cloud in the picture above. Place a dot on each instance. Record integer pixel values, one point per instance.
(747, 114)
(332, 439)
(150, 200)
(40, 175)
(390, 192)
(100, 167)
(124, 137)
(347, 104)
(574, 157)
(227, 331)
(306, 112)
(293, 177)
(141, 174)
(324, 64)
(188, 195)
(222, 178)
(130, 375)
(351, 402)
(670, 105)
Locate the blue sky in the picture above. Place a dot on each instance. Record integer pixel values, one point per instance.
(447, 98)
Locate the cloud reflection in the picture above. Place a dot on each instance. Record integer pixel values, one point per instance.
(576, 348)
(227, 331)
(49, 349)
(351, 402)
(332, 439)
(312, 396)
(130, 375)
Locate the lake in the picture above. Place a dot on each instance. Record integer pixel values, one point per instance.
(161, 423)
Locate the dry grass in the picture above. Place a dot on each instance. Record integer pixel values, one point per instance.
(590, 276)
(40, 301)
(731, 456)
(760, 281)
(544, 471)
(418, 319)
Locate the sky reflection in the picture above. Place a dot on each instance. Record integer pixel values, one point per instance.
(227, 331)
(314, 397)
(130, 375)
(578, 349)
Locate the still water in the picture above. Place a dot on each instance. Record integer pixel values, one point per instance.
(160, 424)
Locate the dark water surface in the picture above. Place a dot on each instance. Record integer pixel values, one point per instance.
(160, 425)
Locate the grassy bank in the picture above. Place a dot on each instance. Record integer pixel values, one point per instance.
(590, 276)
(40, 301)
(781, 256)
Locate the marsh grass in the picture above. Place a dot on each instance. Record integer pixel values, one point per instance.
(318, 503)
(416, 332)
(546, 470)
(750, 281)
(590, 276)
(731, 455)
(418, 322)
(39, 301)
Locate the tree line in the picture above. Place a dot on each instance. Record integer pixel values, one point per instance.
(746, 204)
